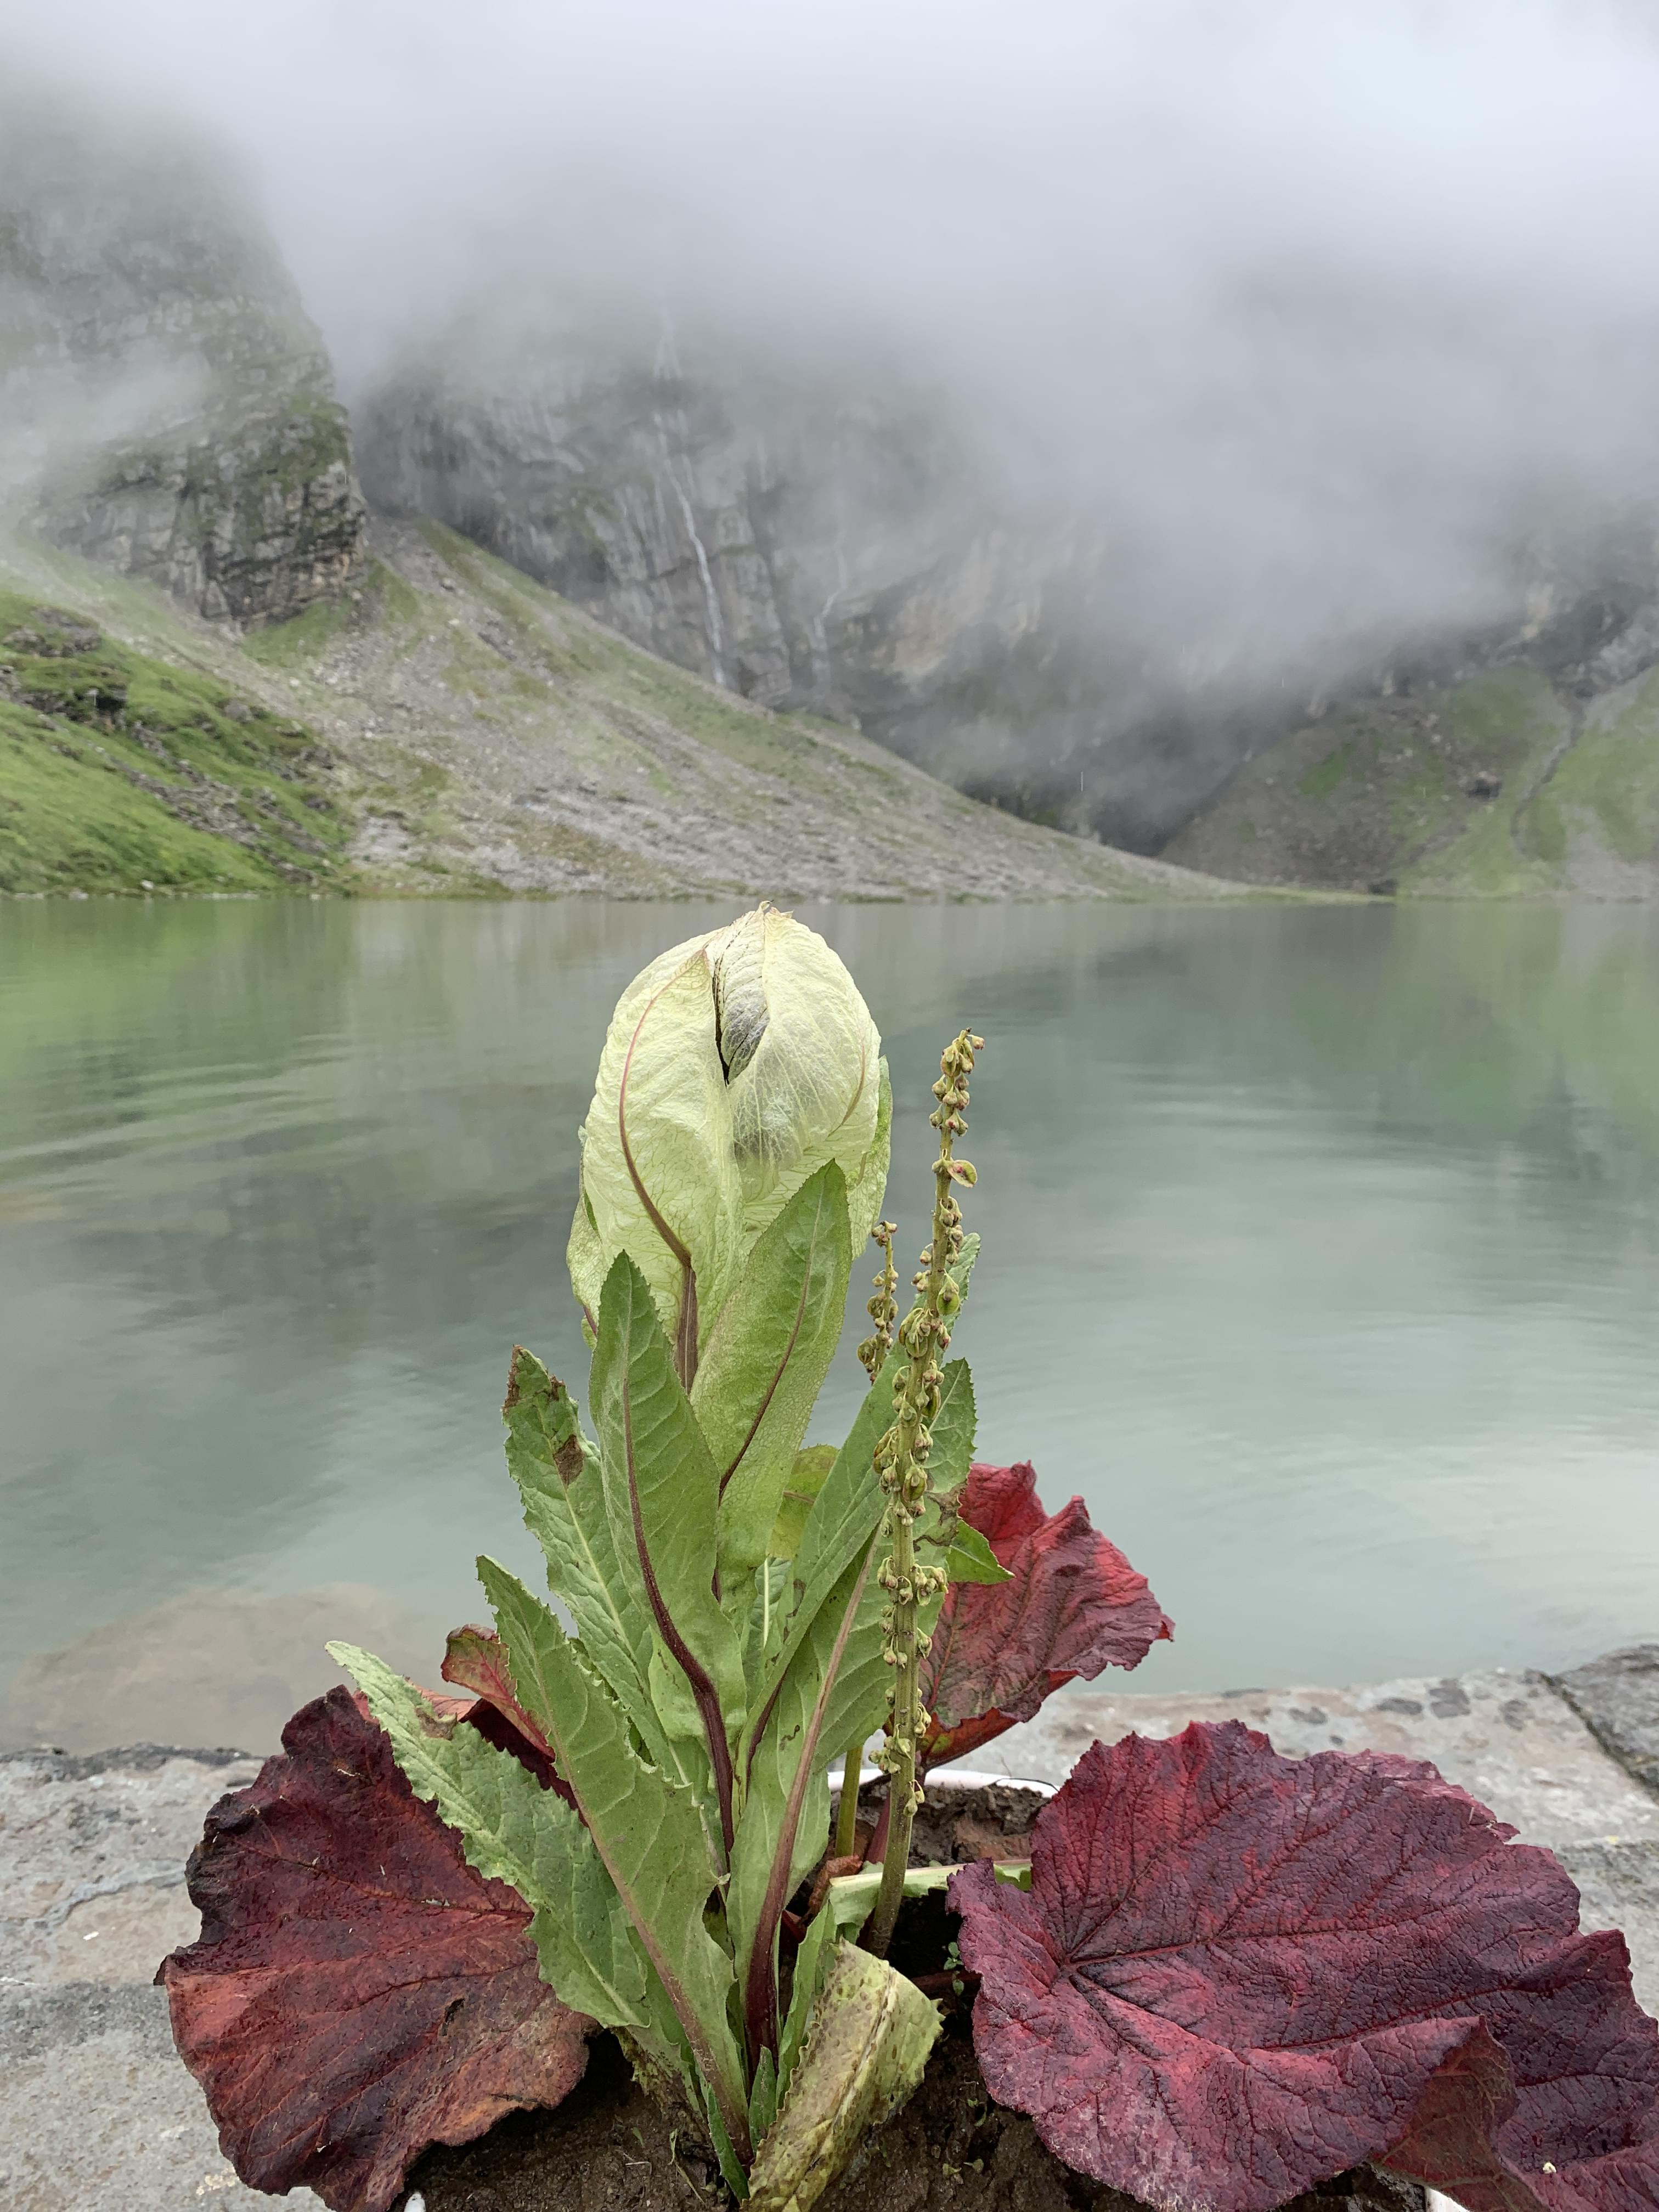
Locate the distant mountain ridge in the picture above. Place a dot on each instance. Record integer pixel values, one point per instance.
(170, 407)
(810, 541)
(824, 543)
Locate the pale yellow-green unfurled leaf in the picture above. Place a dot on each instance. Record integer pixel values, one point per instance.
(868, 2044)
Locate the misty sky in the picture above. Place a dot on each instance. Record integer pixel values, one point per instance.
(1312, 299)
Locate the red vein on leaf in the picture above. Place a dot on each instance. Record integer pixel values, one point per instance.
(760, 1997)
(702, 1689)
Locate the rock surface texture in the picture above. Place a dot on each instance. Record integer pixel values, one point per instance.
(95, 2109)
(169, 408)
(1617, 1696)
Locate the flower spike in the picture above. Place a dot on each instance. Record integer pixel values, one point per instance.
(923, 1337)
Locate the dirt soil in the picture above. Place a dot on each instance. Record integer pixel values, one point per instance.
(952, 2148)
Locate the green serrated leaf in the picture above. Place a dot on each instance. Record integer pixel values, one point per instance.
(562, 1488)
(971, 1558)
(646, 1826)
(952, 1429)
(514, 1829)
(813, 1959)
(866, 2048)
(792, 1692)
(786, 1812)
(730, 2165)
(767, 1356)
(858, 1705)
(763, 1630)
(839, 1527)
(662, 1488)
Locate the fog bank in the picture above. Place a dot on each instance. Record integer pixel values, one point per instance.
(1336, 321)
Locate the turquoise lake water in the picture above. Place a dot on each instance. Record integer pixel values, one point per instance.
(1321, 1250)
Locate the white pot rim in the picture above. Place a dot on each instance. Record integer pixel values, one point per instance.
(964, 1779)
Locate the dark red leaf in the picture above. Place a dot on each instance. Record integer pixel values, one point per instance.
(1075, 1605)
(359, 1991)
(476, 1660)
(1237, 1975)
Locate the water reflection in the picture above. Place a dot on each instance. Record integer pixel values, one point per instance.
(1321, 1249)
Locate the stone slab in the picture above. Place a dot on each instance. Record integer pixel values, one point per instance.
(92, 1858)
(95, 2109)
(1617, 1698)
(96, 2112)
(1508, 1739)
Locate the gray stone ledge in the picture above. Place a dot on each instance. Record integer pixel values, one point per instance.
(95, 2108)
(56, 1765)
(1617, 1698)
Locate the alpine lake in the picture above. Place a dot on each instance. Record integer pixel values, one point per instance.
(1320, 1257)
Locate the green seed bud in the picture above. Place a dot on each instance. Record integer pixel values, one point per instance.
(736, 1065)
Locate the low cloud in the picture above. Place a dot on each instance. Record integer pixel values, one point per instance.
(1321, 317)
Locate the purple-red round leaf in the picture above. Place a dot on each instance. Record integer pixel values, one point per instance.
(1236, 1975)
(358, 1991)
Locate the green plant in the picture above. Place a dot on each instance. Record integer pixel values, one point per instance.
(724, 1647)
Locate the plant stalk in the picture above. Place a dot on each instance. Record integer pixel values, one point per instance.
(846, 1822)
(901, 1463)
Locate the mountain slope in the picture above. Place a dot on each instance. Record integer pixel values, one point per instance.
(479, 734)
(118, 769)
(1505, 784)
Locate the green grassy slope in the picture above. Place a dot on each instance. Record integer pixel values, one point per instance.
(451, 727)
(1596, 822)
(1496, 787)
(118, 771)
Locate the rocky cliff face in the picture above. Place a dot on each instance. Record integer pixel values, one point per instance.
(768, 534)
(168, 409)
(849, 548)
(809, 541)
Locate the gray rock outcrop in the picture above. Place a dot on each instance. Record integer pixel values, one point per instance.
(823, 537)
(168, 409)
(1617, 1698)
(799, 541)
